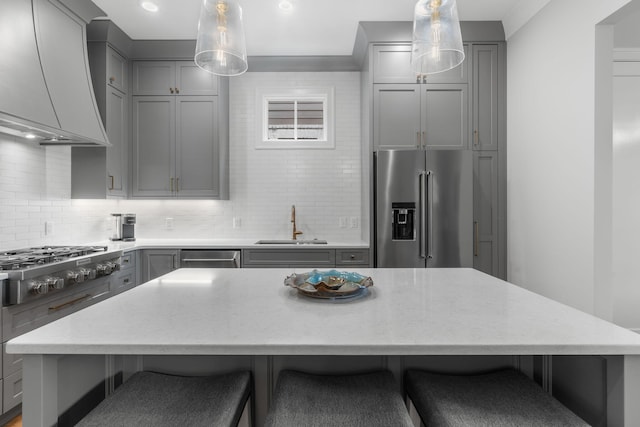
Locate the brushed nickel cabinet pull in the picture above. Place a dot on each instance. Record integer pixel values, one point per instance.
(112, 186)
(171, 179)
(177, 184)
(475, 137)
(476, 239)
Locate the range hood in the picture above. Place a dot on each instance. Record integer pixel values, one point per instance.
(46, 93)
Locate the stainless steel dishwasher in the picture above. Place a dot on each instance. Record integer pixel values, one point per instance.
(209, 258)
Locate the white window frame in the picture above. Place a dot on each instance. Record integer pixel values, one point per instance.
(323, 94)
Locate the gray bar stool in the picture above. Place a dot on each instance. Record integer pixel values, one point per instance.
(498, 399)
(367, 400)
(153, 399)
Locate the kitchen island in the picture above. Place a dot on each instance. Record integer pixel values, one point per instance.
(208, 320)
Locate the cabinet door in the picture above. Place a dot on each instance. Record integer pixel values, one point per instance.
(197, 146)
(153, 146)
(63, 54)
(485, 97)
(445, 116)
(396, 117)
(154, 78)
(392, 64)
(485, 211)
(193, 80)
(159, 262)
(117, 71)
(117, 132)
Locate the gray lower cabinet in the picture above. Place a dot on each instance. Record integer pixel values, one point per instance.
(485, 212)
(128, 277)
(409, 116)
(177, 147)
(18, 319)
(156, 262)
(305, 258)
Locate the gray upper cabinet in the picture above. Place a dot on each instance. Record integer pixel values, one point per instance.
(179, 131)
(62, 45)
(396, 110)
(103, 172)
(391, 64)
(485, 97)
(153, 152)
(117, 71)
(172, 78)
(432, 116)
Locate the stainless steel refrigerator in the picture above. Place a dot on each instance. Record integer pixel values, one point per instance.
(423, 208)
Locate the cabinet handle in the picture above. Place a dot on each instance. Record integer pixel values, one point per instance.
(475, 137)
(476, 239)
(126, 281)
(171, 179)
(424, 139)
(417, 139)
(112, 79)
(171, 89)
(177, 184)
(112, 186)
(177, 90)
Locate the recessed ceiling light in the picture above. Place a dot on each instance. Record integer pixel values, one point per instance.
(149, 6)
(285, 5)
(30, 136)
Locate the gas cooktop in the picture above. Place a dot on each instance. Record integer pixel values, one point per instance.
(23, 259)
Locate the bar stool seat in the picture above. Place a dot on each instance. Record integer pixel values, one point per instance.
(153, 399)
(501, 398)
(309, 400)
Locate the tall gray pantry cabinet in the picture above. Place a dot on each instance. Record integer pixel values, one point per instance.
(461, 109)
(178, 123)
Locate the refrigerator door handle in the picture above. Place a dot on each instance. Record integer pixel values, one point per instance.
(429, 177)
(423, 212)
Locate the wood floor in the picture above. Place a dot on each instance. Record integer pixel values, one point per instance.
(16, 422)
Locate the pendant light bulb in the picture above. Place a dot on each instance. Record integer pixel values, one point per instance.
(437, 40)
(220, 46)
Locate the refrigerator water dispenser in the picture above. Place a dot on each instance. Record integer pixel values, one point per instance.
(403, 226)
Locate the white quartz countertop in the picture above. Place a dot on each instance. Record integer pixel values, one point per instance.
(251, 312)
(221, 244)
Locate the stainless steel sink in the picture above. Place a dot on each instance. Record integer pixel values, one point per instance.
(291, 242)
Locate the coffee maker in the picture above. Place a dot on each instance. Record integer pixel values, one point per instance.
(124, 227)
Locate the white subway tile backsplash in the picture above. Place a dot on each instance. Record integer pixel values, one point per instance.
(325, 185)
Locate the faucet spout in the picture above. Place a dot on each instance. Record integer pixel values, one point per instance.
(295, 233)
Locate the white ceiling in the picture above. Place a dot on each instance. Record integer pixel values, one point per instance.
(313, 27)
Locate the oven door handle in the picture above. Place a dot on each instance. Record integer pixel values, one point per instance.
(234, 260)
(74, 301)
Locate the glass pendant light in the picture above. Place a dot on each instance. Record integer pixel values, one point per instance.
(437, 41)
(220, 47)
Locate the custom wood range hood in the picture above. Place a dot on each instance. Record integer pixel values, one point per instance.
(45, 82)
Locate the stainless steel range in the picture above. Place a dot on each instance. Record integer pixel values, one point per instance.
(34, 272)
